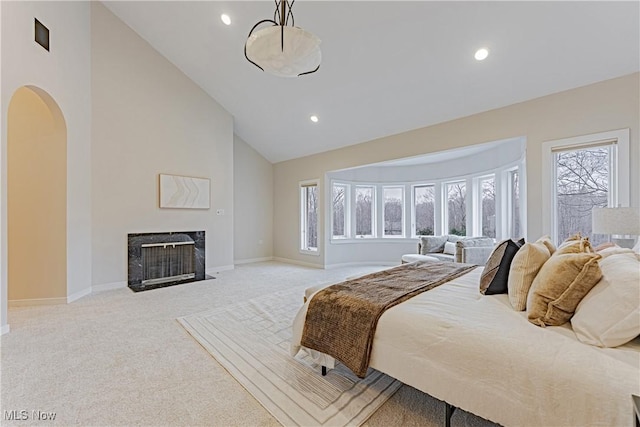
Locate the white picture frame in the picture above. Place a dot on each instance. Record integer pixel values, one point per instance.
(184, 192)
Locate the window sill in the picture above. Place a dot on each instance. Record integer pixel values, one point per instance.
(374, 240)
(309, 252)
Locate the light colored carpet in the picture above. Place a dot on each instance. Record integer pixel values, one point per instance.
(120, 358)
(251, 340)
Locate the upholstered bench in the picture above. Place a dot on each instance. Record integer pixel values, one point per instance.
(417, 257)
(470, 250)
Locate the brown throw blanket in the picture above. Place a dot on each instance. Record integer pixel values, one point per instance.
(341, 319)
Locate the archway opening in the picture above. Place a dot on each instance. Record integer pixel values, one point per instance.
(36, 198)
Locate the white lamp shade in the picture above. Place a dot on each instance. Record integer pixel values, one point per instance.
(622, 221)
(301, 51)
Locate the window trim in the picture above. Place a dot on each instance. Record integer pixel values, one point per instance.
(302, 188)
(619, 193)
(373, 234)
(346, 213)
(436, 202)
(478, 201)
(500, 175)
(403, 233)
(467, 205)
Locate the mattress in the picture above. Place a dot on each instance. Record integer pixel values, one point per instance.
(476, 353)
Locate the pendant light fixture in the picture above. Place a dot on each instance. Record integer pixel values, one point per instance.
(283, 49)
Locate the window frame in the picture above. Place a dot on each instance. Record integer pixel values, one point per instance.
(478, 201)
(346, 213)
(445, 199)
(304, 186)
(373, 212)
(414, 217)
(403, 207)
(619, 173)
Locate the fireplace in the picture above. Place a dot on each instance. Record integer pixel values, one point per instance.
(164, 259)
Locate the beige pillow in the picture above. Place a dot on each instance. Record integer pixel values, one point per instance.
(609, 315)
(546, 240)
(560, 285)
(574, 244)
(524, 268)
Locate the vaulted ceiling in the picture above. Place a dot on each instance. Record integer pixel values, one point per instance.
(388, 66)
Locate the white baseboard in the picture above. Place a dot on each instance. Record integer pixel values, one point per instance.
(358, 264)
(252, 260)
(36, 301)
(74, 297)
(296, 262)
(108, 286)
(4, 329)
(215, 270)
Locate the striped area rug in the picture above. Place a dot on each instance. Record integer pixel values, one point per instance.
(251, 340)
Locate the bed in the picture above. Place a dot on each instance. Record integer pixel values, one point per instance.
(476, 353)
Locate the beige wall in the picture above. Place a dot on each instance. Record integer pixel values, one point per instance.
(608, 105)
(37, 197)
(64, 74)
(253, 204)
(149, 118)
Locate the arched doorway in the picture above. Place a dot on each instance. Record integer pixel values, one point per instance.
(36, 198)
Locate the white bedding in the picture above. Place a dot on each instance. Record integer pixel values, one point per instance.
(475, 352)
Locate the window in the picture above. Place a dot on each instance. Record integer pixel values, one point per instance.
(309, 216)
(579, 174)
(583, 181)
(424, 210)
(488, 206)
(393, 211)
(339, 211)
(365, 208)
(514, 204)
(457, 208)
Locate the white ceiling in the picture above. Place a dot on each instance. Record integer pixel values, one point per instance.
(388, 66)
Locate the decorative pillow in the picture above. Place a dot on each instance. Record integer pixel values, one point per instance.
(615, 250)
(609, 315)
(604, 245)
(525, 266)
(450, 248)
(496, 271)
(431, 244)
(574, 244)
(546, 240)
(560, 285)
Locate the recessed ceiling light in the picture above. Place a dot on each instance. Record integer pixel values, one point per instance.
(481, 54)
(314, 118)
(226, 19)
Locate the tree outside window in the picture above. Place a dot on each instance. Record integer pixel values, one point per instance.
(488, 200)
(339, 210)
(310, 217)
(424, 210)
(364, 211)
(457, 208)
(583, 182)
(393, 210)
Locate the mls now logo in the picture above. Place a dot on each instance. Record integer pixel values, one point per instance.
(24, 415)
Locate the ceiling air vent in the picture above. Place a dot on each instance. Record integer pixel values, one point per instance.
(42, 35)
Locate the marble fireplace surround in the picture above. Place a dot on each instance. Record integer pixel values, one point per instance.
(135, 242)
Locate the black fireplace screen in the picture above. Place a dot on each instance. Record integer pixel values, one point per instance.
(167, 262)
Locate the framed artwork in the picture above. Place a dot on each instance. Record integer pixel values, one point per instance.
(184, 192)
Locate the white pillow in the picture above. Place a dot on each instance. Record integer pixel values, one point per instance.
(614, 250)
(450, 248)
(609, 315)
